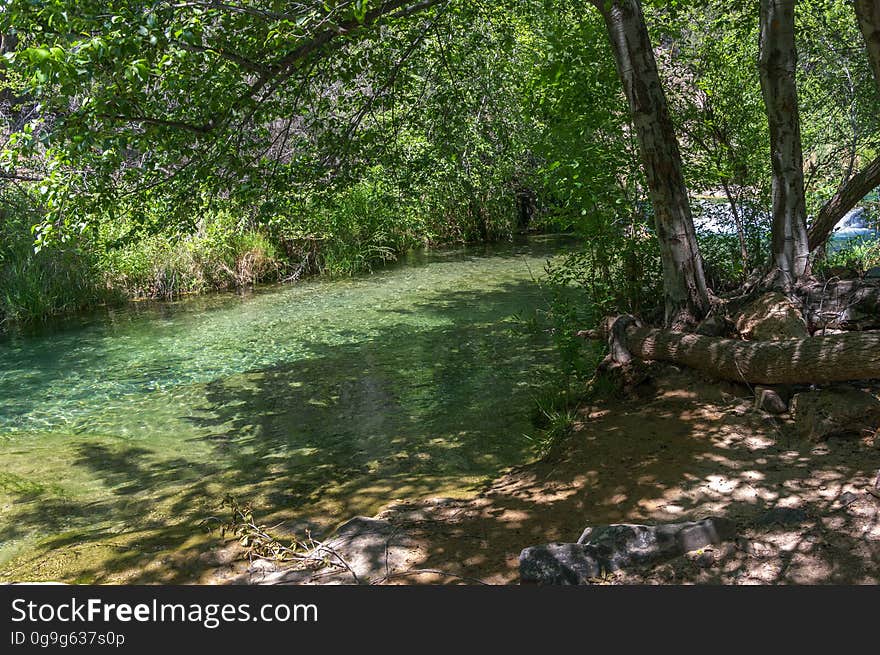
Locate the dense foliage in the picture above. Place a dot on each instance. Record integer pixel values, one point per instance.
(156, 148)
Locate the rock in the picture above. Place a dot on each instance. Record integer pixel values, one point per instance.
(558, 564)
(714, 326)
(842, 304)
(614, 547)
(770, 400)
(771, 317)
(848, 499)
(834, 411)
(704, 558)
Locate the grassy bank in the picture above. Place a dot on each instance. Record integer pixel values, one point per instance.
(228, 247)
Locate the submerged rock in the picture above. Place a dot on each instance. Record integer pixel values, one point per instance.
(834, 411)
(610, 548)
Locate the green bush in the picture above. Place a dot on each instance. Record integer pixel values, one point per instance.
(857, 255)
(221, 254)
(36, 284)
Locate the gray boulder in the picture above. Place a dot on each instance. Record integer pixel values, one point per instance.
(771, 317)
(614, 547)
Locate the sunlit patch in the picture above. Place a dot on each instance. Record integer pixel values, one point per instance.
(721, 484)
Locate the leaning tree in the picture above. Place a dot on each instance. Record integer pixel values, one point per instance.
(793, 360)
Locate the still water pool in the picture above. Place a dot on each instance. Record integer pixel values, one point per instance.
(317, 401)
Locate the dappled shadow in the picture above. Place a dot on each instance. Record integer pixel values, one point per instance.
(433, 400)
(678, 455)
(414, 409)
(817, 359)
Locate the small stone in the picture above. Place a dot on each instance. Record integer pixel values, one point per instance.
(770, 400)
(848, 499)
(706, 559)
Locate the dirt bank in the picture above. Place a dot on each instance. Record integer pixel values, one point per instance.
(678, 448)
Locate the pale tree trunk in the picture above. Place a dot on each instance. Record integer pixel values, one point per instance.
(778, 62)
(868, 179)
(683, 279)
(8, 43)
(837, 358)
(740, 227)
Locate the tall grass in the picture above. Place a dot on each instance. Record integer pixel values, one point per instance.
(35, 285)
(167, 266)
(337, 232)
(359, 228)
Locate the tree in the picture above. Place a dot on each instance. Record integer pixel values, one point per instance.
(778, 65)
(836, 358)
(868, 17)
(686, 296)
(855, 188)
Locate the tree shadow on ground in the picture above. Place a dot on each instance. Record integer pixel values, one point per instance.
(419, 409)
(686, 452)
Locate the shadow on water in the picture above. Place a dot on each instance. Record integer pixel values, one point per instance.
(412, 410)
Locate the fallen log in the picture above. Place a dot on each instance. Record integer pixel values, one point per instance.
(833, 358)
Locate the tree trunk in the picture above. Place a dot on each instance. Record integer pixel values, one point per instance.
(740, 228)
(868, 179)
(835, 358)
(856, 188)
(683, 280)
(778, 62)
(8, 43)
(868, 16)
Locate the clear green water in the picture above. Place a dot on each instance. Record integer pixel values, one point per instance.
(319, 401)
